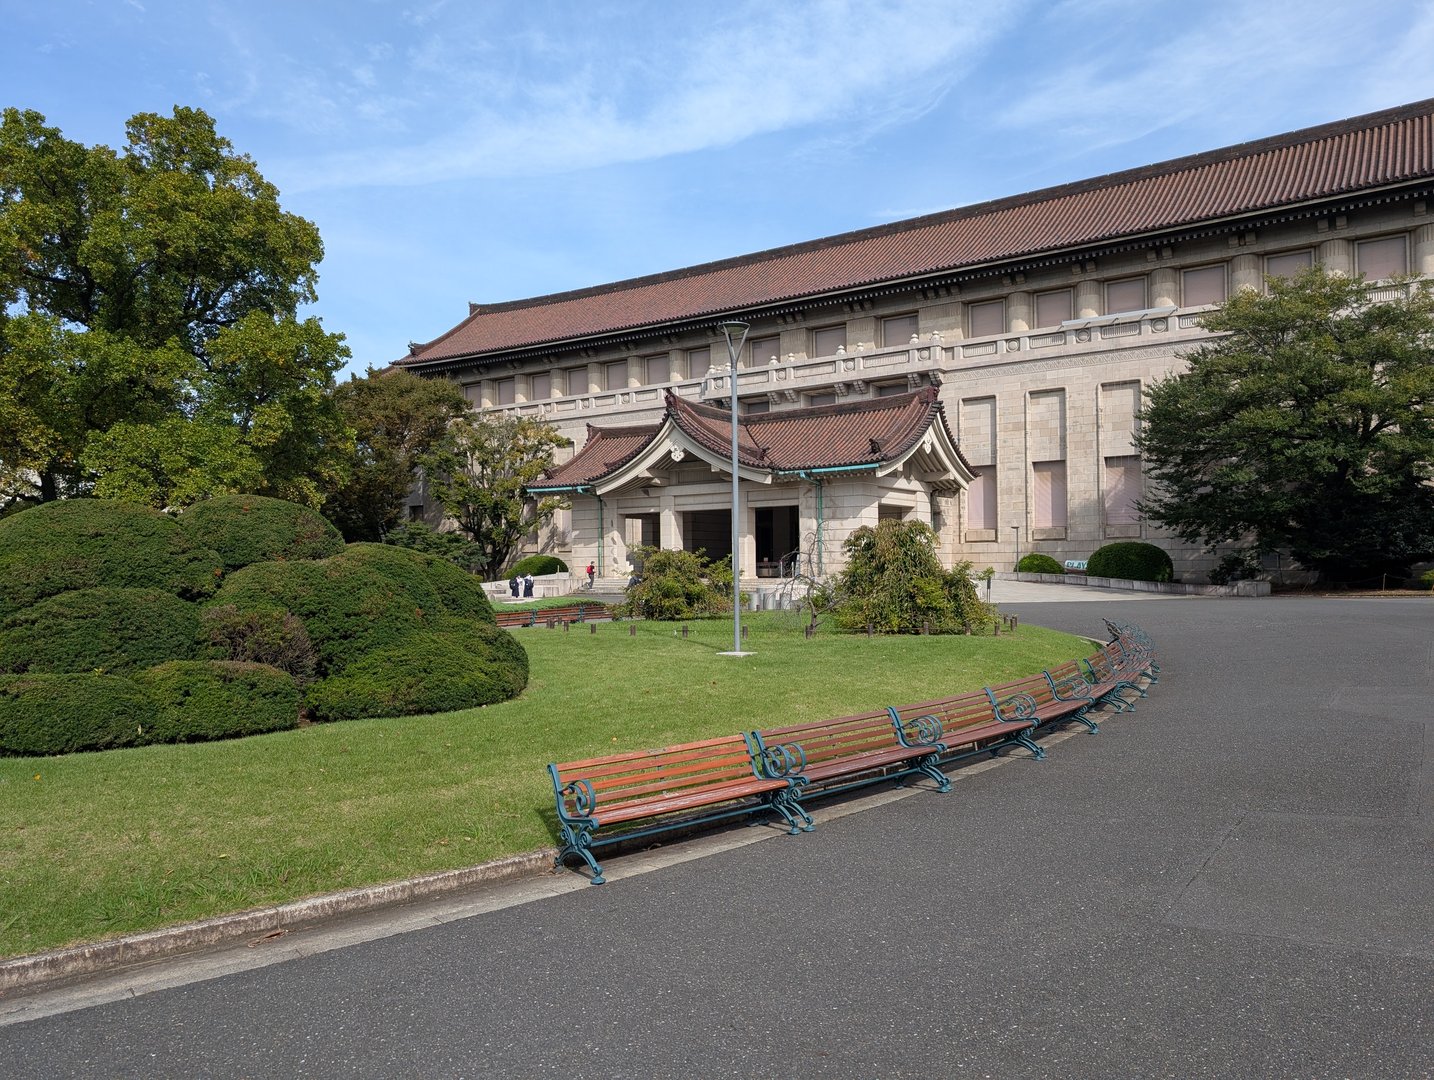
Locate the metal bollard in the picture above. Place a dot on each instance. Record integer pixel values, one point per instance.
(632, 630)
(592, 628)
(996, 628)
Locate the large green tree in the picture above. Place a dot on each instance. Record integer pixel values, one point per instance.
(480, 475)
(149, 341)
(1306, 428)
(396, 417)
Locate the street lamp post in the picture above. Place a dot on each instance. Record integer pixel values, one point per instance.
(736, 334)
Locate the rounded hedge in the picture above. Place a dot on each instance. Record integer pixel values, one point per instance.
(1038, 563)
(427, 673)
(1131, 560)
(370, 597)
(538, 565)
(114, 631)
(89, 543)
(246, 529)
(62, 714)
(196, 700)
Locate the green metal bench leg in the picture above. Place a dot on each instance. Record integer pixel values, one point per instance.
(575, 842)
(1082, 718)
(1024, 740)
(797, 819)
(928, 768)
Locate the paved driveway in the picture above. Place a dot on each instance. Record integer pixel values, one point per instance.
(1234, 881)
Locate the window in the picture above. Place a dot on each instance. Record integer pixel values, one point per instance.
(1055, 307)
(892, 389)
(658, 369)
(1204, 285)
(827, 340)
(698, 361)
(615, 375)
(1288, 264)
(504, 391)
(1050, 494)
(814, 400)
(1122, 490)
(1380, 259)
(540, 386)
(981, 499)
(576, 380)
(1127, 295)
(987, 319)
(897, 331)
(753, 406)
(764, 349)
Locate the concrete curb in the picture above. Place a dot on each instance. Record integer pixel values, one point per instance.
(1167, 588)
(96, 956)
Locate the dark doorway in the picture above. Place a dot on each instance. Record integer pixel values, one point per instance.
(709, 531)
(777, 540)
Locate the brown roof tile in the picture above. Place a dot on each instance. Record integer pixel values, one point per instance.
(1368, 152)
(606, 450)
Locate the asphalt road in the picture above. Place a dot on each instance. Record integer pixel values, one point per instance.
(1237, 880)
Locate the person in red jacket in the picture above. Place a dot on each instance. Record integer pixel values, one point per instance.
(591, 571)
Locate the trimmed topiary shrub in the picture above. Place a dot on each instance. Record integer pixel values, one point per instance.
(114, 631)
(427, 673)
(1038, 563)
(199, 700)
(538, 565)
(62, 714)
(276, 638)
(246, 529)
(1131, 560)
(89, 543)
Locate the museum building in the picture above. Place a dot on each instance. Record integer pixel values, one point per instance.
(979, 369)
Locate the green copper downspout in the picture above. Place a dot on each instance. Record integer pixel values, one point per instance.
(601, 545)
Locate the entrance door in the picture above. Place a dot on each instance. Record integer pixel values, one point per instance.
(777, 540)
(709, 531)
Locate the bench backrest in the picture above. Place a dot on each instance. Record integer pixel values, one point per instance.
(955, 715)
(621, 779)
(836, 739)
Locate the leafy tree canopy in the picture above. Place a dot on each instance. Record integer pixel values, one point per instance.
(1307, 428)
(894, 582)
(396, 417)
(480, 475)
(149, 343)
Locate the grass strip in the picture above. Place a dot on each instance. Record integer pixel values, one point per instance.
(94, 845)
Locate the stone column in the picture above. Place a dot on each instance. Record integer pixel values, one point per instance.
(1019, 312)
(1337, 256)
(521, 386)
(485, 394)
(1088, 300)
(1422, 261)
(594, 379)
(636, 376)
(1246, 272)
(1165, 287)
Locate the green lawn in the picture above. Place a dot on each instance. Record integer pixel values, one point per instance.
(93, 845)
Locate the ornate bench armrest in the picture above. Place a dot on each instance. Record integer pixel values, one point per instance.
(784, 761)
(919, 730)
(1072, 686)
(1014, 707)
(583, 796)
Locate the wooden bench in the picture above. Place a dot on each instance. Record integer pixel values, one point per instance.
(827, 756)
(670, 788)
(1110, 677)
(1045, 700)
(965, 725)
(588, 611)
(1136, 647)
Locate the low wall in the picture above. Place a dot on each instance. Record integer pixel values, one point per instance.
(562, 584)
(1169, 588)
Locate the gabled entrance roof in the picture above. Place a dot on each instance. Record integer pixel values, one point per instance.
(873, 436)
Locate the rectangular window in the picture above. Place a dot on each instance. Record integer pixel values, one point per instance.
(1127, 295)
(540, 386)
(1380, 259)
(814, 400)
(1050, 494)
(658, 369)
(753, 406)
(615, 375)
(1204, 285)
(892, 389)
(698, 361)
(765, 350)
(898, 330)
(505, 390)
(1122, 490)
(827, 340)
(576, 381)
(987, 319)
(1054, 308)
(981, 499)
(1288, 264)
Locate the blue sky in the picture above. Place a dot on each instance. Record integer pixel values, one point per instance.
(492, 150)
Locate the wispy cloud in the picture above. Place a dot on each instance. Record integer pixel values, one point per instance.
(529, 105)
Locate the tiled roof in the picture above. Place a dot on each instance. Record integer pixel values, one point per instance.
(1364, 153)
(848, 434)
(606, 450)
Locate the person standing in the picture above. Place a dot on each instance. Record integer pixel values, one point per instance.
(527, 584)
(591, 571)
(513, 585)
